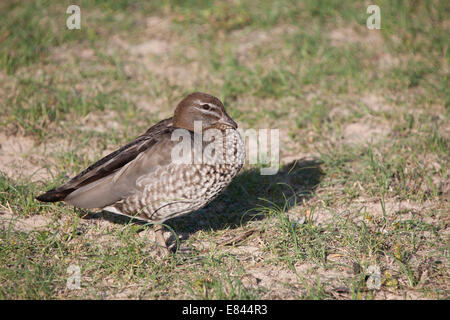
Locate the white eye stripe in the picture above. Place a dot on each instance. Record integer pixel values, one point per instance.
(201, 103)
(214, 109)
(210, 112)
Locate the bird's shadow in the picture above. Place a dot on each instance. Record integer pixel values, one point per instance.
(239, 203)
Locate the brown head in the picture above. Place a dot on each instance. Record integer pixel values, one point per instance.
(202, 107)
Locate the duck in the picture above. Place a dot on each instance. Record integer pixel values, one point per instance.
(176, 167)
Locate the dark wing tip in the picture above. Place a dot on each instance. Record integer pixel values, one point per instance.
(54, 195)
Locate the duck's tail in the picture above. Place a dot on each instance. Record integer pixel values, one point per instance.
(54, 195)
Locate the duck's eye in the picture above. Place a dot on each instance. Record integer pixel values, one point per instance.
(206, 107)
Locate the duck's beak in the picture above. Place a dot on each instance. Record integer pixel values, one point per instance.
(226, 120)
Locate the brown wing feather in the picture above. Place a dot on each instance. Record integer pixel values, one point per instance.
(111, 163)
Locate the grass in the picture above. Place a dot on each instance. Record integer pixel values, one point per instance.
(363, 118)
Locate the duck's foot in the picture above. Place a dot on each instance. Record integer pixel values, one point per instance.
(160, 241)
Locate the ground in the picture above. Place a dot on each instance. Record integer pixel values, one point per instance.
(364, 128)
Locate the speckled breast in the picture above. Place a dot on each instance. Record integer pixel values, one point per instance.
(179, 189)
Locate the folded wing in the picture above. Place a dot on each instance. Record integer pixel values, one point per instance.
(104, 182)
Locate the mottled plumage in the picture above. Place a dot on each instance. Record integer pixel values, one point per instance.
(142, 180)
